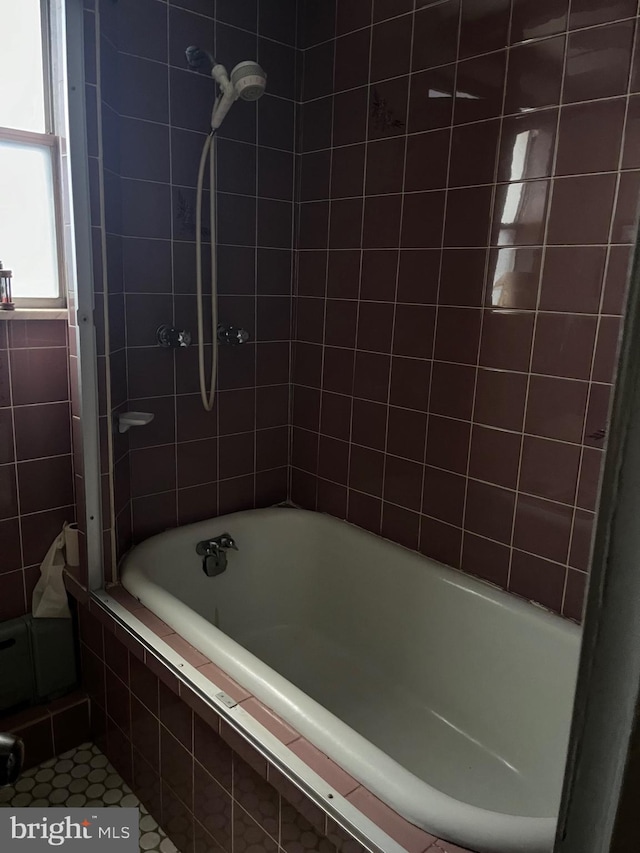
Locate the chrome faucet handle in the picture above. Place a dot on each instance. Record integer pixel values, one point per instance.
(232, 336)
(209, 547)
(172, 338)
(226, 541)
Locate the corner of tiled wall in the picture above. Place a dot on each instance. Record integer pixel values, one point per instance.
(467, 208)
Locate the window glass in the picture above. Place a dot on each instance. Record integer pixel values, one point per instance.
(27, 219)
(21, 75)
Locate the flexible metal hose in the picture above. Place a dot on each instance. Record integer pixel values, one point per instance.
(207, 390)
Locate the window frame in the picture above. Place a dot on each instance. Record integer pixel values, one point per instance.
(50, 141)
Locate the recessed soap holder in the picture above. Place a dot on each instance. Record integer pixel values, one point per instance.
(133, 419)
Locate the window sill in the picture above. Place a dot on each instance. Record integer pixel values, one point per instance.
(35, 314)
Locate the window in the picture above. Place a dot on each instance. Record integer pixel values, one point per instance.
(30, 220)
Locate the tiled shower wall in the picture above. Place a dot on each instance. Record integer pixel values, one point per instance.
(188, 464)
(36, 465)
(468, 193)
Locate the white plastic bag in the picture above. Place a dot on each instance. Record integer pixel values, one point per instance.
(50, 596)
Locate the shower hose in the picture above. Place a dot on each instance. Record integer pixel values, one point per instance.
(207, 388)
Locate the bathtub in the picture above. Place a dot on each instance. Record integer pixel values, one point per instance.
(448, 699)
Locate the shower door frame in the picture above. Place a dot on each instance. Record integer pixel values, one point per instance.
(603, 757)
(69, 16)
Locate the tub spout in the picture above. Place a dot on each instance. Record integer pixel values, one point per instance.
(214, 553)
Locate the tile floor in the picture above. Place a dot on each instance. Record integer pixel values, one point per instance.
(83, 777)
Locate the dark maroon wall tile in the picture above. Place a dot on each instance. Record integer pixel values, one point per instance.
(32, 441)
(427, 160)
(482, 139)
(581, 541)
(615, 286)
(489, 511)
(443, 495)
(369, 424)
(574, 596)
(45, 484)
(506, 340)
(598, 61)
(524, 225)
(536, 579)
(607, 345)
(381, 222)
(458, 335)
(480, 88)
(631, 157)
(590, 137)
(564, 345)
(364, 511)
(391, 48)
(5, 384)
(385, 166)
(353, 14)
(414, 331)
(435, 37)
(527, 87)
(452, 388)
(513, 277)
(484, 26)
(500, 398)
(10, 545)
(347, 171)
(486, 559)
(448, 444)
(403, 482)
(462, 277)
(379, 274)
(549, 469)
(366, 470)
(572, 279)
(422, 220)
(440, 541)
(349, 116)
(406, 433)
(431, 99)
(534, 19)
(587, 13)
(388, 102)
(495, 456)
(626, 210)
(556, 408)
(537, 162)
(468, 217)
(581, 209)
(542, 528)
(39, 376)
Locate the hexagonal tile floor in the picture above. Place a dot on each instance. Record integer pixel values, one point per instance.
(83, 777)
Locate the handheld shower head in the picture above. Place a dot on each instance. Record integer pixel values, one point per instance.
(247, 81)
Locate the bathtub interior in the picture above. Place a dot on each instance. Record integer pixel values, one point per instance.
(464, 686)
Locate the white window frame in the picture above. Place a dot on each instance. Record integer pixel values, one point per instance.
(51, 142)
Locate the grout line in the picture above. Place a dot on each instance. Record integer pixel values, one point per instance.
(440, 266)
(395, 306)
(539, 295)
(485, 287)
(365, 167)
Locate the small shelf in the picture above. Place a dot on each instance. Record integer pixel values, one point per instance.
(133, 419)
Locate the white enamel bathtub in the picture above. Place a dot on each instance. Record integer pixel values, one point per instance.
(448, 699)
